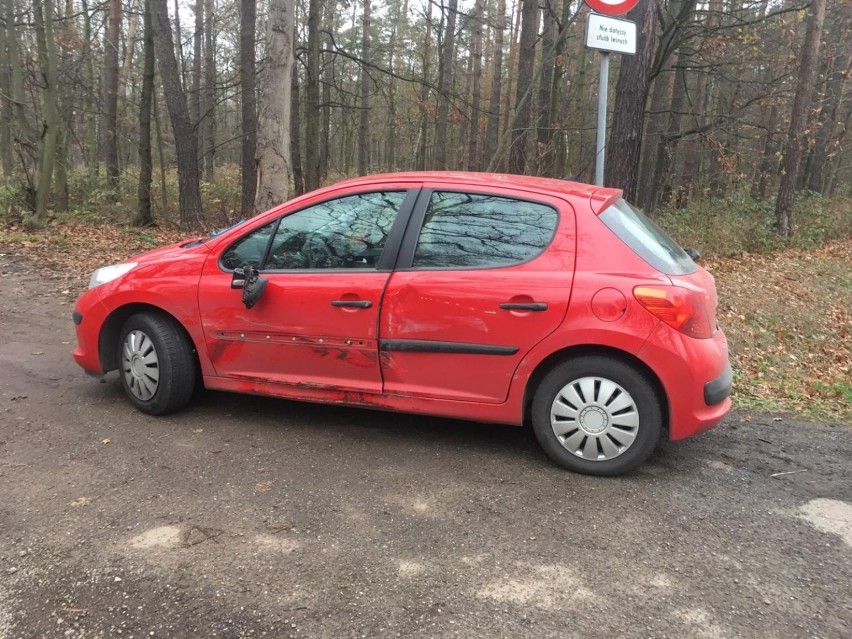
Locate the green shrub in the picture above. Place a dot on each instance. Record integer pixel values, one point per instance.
(738, 224)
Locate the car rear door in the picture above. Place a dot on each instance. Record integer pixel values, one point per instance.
(481, 278)
(316, 323)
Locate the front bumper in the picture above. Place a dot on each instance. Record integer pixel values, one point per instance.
(88, 316)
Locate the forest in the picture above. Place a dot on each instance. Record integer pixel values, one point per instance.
(201, 112)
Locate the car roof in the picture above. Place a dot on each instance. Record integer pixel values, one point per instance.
(503, 180)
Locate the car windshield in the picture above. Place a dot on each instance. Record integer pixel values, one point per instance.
(647, 240)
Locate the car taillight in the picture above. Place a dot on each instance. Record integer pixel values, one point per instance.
(682, 309)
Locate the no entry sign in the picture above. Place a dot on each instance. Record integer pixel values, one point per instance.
(612, 7)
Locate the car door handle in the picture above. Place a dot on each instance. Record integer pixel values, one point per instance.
(530, 306)
(352, 303)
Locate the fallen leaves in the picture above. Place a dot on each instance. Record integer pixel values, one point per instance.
(263, 487)
(788, 319)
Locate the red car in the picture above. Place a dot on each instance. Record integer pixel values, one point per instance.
(495, 298)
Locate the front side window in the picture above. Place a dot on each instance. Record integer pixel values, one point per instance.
(349, 232)
(249, 249)
(464, 230)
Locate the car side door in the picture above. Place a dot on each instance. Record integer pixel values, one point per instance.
(481, 278)
(315, 325)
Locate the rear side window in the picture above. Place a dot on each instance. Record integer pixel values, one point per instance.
(465, 230)
(647, 240)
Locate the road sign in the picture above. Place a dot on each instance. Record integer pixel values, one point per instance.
(612, 7)
(610, 34)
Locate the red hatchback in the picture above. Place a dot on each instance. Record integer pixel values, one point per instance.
(495, 298)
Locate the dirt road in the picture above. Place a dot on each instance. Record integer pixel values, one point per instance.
(252, 517)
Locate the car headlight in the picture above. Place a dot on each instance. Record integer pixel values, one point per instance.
(109, 273)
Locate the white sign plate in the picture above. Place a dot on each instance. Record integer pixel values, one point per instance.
(610, 34)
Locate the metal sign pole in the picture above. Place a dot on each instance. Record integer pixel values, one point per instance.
(603, 86)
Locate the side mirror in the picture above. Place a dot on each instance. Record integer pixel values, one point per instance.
(249, 279)
(694, 255)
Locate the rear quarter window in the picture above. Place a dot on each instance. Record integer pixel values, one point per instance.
(647, 240)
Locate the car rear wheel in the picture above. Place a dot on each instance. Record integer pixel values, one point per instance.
(596, 415)
(156, 364)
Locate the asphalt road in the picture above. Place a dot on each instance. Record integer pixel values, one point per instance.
(245, 516)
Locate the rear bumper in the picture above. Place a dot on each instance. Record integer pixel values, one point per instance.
(696, 377)
(719, 389)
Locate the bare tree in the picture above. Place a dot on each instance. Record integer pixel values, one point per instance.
(473, 149)
(144, 216)
(446, 84)
(189, 191)
(799, 118)
(43, 10)
(273, 152)
(631, 93)
(248, 124)
(523, 104)
(312, 99)
(364, 102)
(492, 130)
(110, 139)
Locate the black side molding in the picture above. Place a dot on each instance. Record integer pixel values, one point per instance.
(427, 346)
(77, 317)
(717, 390)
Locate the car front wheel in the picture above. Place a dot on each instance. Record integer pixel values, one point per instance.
(596, 415)
(156, 364)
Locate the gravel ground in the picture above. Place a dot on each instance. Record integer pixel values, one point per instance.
(251, 517)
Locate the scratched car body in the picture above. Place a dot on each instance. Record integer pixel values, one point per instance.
(495, 298)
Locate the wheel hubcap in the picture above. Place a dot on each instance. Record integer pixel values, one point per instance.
(594, 418)
(140, 365)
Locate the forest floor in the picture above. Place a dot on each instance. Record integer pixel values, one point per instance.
(251, 517)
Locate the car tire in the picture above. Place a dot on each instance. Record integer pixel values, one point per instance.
(156, 364)
(596, 415)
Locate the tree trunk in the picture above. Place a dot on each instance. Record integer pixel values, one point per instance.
(312, 100)
(164, 196)
(631, 93)
(295, 131)
(544, 133)
(208, 122)
(837, 80)
(6, 111)
(391, 141)
(799, 118)
(46, 44)
(422, 133)
(273, 154)
(129, 47)
(474, 162)
(328, 78)
(364, 102)
(110, 132)
(144, 216)
(195, 113)
(446, 86)
(526, 69)
(248, 24)
(187, 148)
(492, 131)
